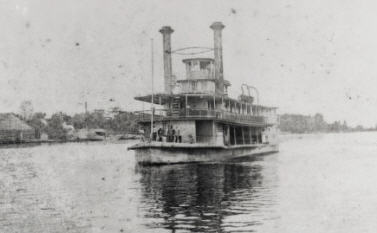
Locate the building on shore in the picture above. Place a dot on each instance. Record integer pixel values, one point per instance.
(13, 129)
(90, 134)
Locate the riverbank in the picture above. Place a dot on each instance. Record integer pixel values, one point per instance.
(41, 142)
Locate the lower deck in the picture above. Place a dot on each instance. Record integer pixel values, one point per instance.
(168, 153)
(208, 133)
(183, 145)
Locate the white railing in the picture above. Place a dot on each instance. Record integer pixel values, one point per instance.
(161, 114)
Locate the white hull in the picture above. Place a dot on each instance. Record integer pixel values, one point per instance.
(167, 154)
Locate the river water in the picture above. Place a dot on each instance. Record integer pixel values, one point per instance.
(316, 183)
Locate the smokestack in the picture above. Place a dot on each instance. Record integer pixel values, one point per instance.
(166, 32)
(217, 27)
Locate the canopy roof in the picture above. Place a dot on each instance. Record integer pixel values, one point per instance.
(226, 82)
(163, 98)
(198, 59)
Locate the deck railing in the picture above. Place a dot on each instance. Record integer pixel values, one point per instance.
(212, 140)
(171, 114)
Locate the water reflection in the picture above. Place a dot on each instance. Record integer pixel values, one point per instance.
(202, 197)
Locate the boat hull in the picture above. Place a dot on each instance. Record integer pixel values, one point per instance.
(171, 154)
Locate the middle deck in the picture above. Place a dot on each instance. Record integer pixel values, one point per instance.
(207, 107)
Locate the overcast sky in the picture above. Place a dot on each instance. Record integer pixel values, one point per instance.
(304, 56)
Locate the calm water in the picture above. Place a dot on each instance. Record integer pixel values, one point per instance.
(322, 183)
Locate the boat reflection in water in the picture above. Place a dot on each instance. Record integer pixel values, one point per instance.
(206, 197)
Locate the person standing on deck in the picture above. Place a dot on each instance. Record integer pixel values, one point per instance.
(169, 133)
(159, 134)
(173, 136)
(154, 134)
(178, 136)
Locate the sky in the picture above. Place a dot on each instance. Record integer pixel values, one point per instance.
(304, 56)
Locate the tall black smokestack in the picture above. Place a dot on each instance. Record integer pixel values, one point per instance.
(168, 79)
(217, 27)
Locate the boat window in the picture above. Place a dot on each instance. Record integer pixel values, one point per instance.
(204, 85)
(193, 86)
(204, 65)
(194, 66)
(210, 104)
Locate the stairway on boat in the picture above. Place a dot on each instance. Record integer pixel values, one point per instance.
(176, 107)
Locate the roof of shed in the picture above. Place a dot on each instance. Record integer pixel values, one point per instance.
(9, 121)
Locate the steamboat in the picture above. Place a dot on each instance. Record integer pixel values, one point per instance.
(197, 121)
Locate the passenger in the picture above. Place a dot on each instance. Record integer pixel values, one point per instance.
(176, 135)
(159, 134)
(168, 138)
(191, 138)
(154, 134)
(173, 136)
(179, 137)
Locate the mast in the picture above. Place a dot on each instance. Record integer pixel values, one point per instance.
(152, 74)
(86, 115)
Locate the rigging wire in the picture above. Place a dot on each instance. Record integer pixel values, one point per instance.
(204, 50)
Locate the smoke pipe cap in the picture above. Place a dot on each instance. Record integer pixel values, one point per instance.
(166, 30)
(217, 26)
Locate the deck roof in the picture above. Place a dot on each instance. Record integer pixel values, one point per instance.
(163, 98)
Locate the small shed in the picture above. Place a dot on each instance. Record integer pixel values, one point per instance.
(13, 129)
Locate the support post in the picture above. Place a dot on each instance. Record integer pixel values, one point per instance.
(250, 138)
(243, 136)
(214, 135)
(235, 136)
(186, 109)
(228, 134)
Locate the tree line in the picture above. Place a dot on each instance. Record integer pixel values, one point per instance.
(297, 123)
(55, 126)
(122, 122)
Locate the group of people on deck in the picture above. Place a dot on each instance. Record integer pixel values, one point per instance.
(171, 135)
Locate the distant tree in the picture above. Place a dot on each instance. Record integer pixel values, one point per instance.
(96, 120)
(344, 126)
(38, 122)
(335, 126)
(124, 122)
(66, 118)
(78, 121)
(55, 128)
(91, 120)
(296, 123)
(319, 123)
(26, 110)
(359, 128)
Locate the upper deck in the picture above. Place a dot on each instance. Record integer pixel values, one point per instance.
(203, 114)
(207, 107)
